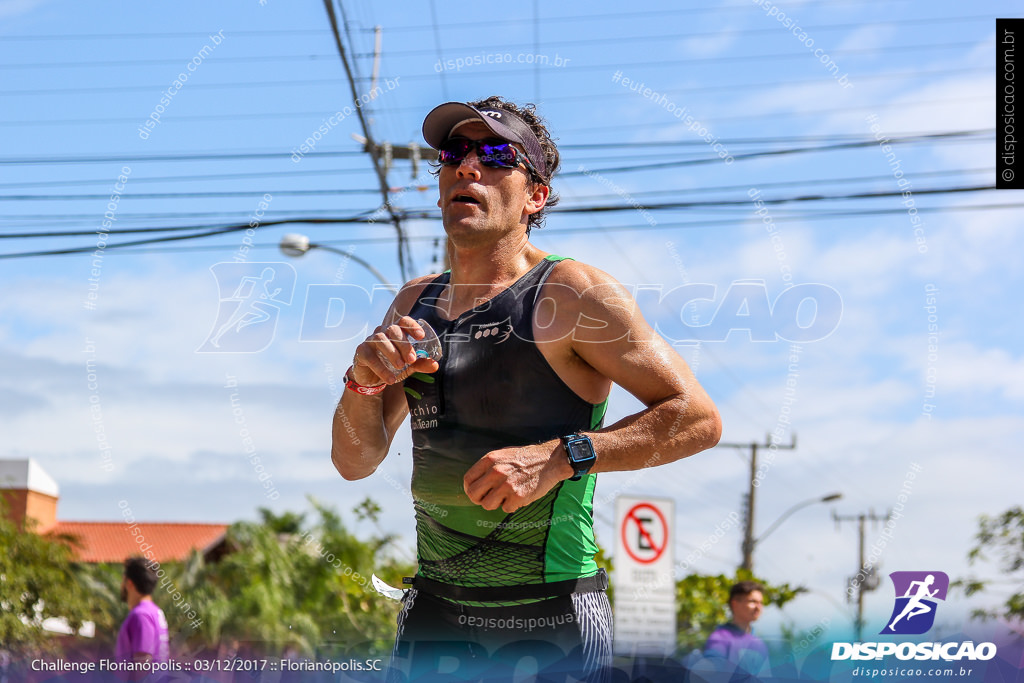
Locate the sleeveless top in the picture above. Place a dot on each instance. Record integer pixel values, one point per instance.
(495, 389)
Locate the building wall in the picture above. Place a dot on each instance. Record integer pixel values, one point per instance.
(21, 503)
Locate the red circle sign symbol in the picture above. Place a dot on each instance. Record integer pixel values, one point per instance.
(644, 547)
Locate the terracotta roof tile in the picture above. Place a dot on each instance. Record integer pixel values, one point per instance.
(160, 541)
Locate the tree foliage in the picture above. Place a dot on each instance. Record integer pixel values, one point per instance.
(37, 582)
(289, 587)
(286, 588)
(1000, 539)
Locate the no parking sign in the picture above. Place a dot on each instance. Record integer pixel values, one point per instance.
(645, 533)
(644, 578)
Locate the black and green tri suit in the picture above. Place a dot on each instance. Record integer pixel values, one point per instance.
(494, 390)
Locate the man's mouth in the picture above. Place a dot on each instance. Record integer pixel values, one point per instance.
(464, 199)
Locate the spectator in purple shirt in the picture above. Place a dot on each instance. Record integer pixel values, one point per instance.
(143, 636)
(735, 641)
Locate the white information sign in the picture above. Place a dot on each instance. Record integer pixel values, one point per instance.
(644, 577)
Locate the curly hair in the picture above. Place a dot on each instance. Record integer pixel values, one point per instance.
(528, 113)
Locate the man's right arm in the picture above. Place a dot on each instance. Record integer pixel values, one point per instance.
(364, 426)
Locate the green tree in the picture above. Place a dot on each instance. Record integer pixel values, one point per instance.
(284, 523)
(999, 539)
(37, 582)
(258, 585)
(340, 593)
(103, 584)
(285, 587)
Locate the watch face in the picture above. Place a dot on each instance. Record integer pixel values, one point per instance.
(580, 450)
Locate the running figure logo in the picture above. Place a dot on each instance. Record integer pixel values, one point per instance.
(916, 595)
(251, 297)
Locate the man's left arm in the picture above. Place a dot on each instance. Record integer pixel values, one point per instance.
(596, 322)
(141, 636)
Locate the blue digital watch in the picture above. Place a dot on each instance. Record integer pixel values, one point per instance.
(580, 451)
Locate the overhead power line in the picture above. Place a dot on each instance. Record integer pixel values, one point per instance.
(421, 188)
(645, 227)
(292, 172)
(664, 63)
(648, 39)
(668, 63)
(433, 214)
(776, 152)
(209, 216)
(576, 18)
(587, 172)
(187, 195)
(638, 126)
(171, 60)
(371, 145)
(235, 154)
(424, 215)
(32, 220)
(264, 33)
(223, 230)
(191, 156)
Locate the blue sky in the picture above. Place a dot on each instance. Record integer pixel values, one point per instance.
(79, 82)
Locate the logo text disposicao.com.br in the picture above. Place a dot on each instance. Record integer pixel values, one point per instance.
(948, 652)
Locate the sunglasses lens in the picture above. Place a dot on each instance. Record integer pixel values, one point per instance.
(453, 151)
(501, 154)
(494, 153)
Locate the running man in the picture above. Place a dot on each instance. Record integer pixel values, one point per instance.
(914, 606)
(508, 428)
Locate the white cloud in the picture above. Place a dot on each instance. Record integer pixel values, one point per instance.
(711, 45)
(865, 38)
(14, 8)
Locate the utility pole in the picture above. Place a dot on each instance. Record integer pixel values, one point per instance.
(404, 256)
(748, 531)
(413, 152)
(869, 581)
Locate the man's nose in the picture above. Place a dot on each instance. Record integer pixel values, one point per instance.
(469, 167)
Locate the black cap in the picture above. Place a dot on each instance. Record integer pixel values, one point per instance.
(443, 119)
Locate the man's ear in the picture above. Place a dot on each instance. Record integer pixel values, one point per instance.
(537, 199)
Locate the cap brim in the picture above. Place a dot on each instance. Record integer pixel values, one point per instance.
(442, 119)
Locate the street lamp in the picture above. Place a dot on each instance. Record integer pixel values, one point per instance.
(785, 515)
(295, 245)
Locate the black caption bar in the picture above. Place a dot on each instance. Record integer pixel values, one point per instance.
(1009, 34)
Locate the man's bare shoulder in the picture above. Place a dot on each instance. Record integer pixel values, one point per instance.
(580, 275)
(411, 291)
(592, 305)
(583, 282)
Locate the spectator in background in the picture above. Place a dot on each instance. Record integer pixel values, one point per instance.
(735, 640)
(143, 636)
